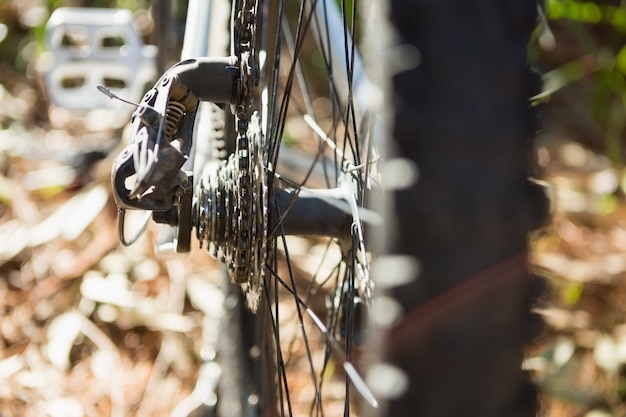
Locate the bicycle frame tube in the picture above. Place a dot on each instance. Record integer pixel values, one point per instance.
(196, 40)
(195, 44)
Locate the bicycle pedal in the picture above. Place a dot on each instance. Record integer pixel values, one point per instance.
(92, 46)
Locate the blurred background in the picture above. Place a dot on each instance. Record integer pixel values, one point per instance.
(87, 328)
(579, 362)
(90, 328)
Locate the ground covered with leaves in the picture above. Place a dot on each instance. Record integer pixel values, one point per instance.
(579, 361)
(88, 328)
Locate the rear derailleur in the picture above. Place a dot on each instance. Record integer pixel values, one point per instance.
(149, 173)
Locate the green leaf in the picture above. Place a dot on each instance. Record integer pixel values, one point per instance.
(571, 293)
(607, 204)
(620, 60)
(558, 78)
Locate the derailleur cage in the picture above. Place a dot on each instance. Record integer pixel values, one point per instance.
(148, 174)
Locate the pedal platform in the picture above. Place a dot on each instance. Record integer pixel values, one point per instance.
(95, 46)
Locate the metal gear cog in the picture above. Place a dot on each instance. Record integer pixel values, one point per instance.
(232, 212)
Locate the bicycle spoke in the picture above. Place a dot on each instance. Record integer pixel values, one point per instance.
(342, 356)
(284, 397)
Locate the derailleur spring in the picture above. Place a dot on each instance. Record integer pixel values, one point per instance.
(174, 113)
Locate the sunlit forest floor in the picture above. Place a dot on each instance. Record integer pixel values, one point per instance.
(88, 328)
(582, 254)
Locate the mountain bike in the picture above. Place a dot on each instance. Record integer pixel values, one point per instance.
(292, 85)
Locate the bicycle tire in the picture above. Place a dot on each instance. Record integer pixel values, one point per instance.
(461, 119)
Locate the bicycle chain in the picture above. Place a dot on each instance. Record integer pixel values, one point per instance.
(233, 207)
(239, 270)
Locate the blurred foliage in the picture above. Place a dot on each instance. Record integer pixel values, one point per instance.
(584, 42)
(587, 12)
(580, 363)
